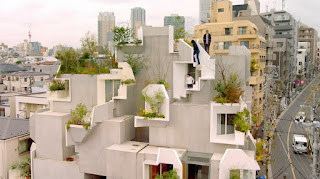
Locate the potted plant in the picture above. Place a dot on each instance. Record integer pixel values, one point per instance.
(229, 90)
(59, 88)
(79, 123)
(24, 167)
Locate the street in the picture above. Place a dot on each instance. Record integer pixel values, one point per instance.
(286, 128)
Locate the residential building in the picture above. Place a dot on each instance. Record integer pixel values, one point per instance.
(23, 81)
(204, 10)
(310, 35)
(318, 55)
(106, 24)
(24, 48)
(15, 143)
(226, 33)
(138, 19)
(118, 140)
(8, 68)
(265, 29)
(303, 57)
(178, 22)
(44, 51)
(48, 67)
(285, 47)
(35, 49)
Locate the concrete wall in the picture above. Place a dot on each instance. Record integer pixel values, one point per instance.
(187, 120)
(53, 169)
(109, 132)
(79, 94)
(50, 135)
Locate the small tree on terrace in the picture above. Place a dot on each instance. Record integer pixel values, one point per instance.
(89, 44)
(122, 35)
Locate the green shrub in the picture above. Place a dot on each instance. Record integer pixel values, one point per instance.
(18, 62)
(229, 91)
(242, 121)
(78, 115)
(172, 174)
(57, 85)
(128, 81)
(135, 61)
(23, 166)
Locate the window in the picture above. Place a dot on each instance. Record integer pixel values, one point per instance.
(261, 73)
(300, 63)
(242, 30)
(8, 78)
(26, 88)
(299, 52)
(111, 89)
(5, 88)
(260, 101)
(226, 45)
(221, 10)
(33, 69)
(41, 79)
(17, 78)
(225, 124)
(244, 43)
(25, 79)
(279, 44)
(228, 31)
(260, 87)
(40, 70)
(13, 88)
(24, 145)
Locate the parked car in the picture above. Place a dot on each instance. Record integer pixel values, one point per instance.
(300, 117)
(299, 144)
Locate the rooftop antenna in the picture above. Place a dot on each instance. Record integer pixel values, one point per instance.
(267, 7)
(29, 33)
(283, 4)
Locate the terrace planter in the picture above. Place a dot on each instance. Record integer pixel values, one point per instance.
(77, 133)
(140, 121)
(176, 47)
(61, 93)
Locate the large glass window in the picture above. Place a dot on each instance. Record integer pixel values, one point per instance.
(24, 145)
(242, 31)
(225, 124)
(244, 43)
(111, 89)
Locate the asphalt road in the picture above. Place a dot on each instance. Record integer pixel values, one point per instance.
(301, 163)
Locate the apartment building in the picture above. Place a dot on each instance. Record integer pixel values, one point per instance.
(309, 35)
(15, 143)
(303, 57)
(195, 136)
(285, 47)
(225, 33)
(23, 81)
(138, 19)
(106, 24)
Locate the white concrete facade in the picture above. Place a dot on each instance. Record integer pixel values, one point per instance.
(117, 144)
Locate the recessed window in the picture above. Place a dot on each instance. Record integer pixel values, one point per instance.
(221, 10)
(17, 78)
(13, 88)
(225, 124)
(244, 43)
(25, 79)
(40, 70)
(279, 44)
(300, 63)
(33, 69)
(228, 31)
(242, 31)
(226, 45)
(24, 145)
(41, 79)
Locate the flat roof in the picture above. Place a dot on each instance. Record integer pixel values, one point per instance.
(27, 73)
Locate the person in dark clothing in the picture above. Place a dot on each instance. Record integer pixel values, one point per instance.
(207, 41)
(196, 52)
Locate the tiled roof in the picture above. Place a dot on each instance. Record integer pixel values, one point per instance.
(6, 68)
(12, 127)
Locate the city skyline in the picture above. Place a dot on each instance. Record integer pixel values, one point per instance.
(53, 25)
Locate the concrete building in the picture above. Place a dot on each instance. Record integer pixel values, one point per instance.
(175, 20)
(15, 143)
(310, 35)
(226, 33)
(138, 19)
(8, 68)
(285, 47)
(121, 144)
(106, 24)
(204, 11)
(24, 48)
(23, 81)
(265, 29)
(303, 57)
(35, 48)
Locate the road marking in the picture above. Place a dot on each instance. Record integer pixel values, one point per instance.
(288, 146)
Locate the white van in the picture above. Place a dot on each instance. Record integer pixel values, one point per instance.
(299, 144)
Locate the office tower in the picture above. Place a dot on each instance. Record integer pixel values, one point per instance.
(106, 23)
(175, 20)
(138, 19)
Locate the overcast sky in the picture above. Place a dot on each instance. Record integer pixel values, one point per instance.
(66, 21)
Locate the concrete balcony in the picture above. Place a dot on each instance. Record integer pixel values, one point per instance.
(255, 80)
(247, 36)
(283, 27)
(288, 36)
